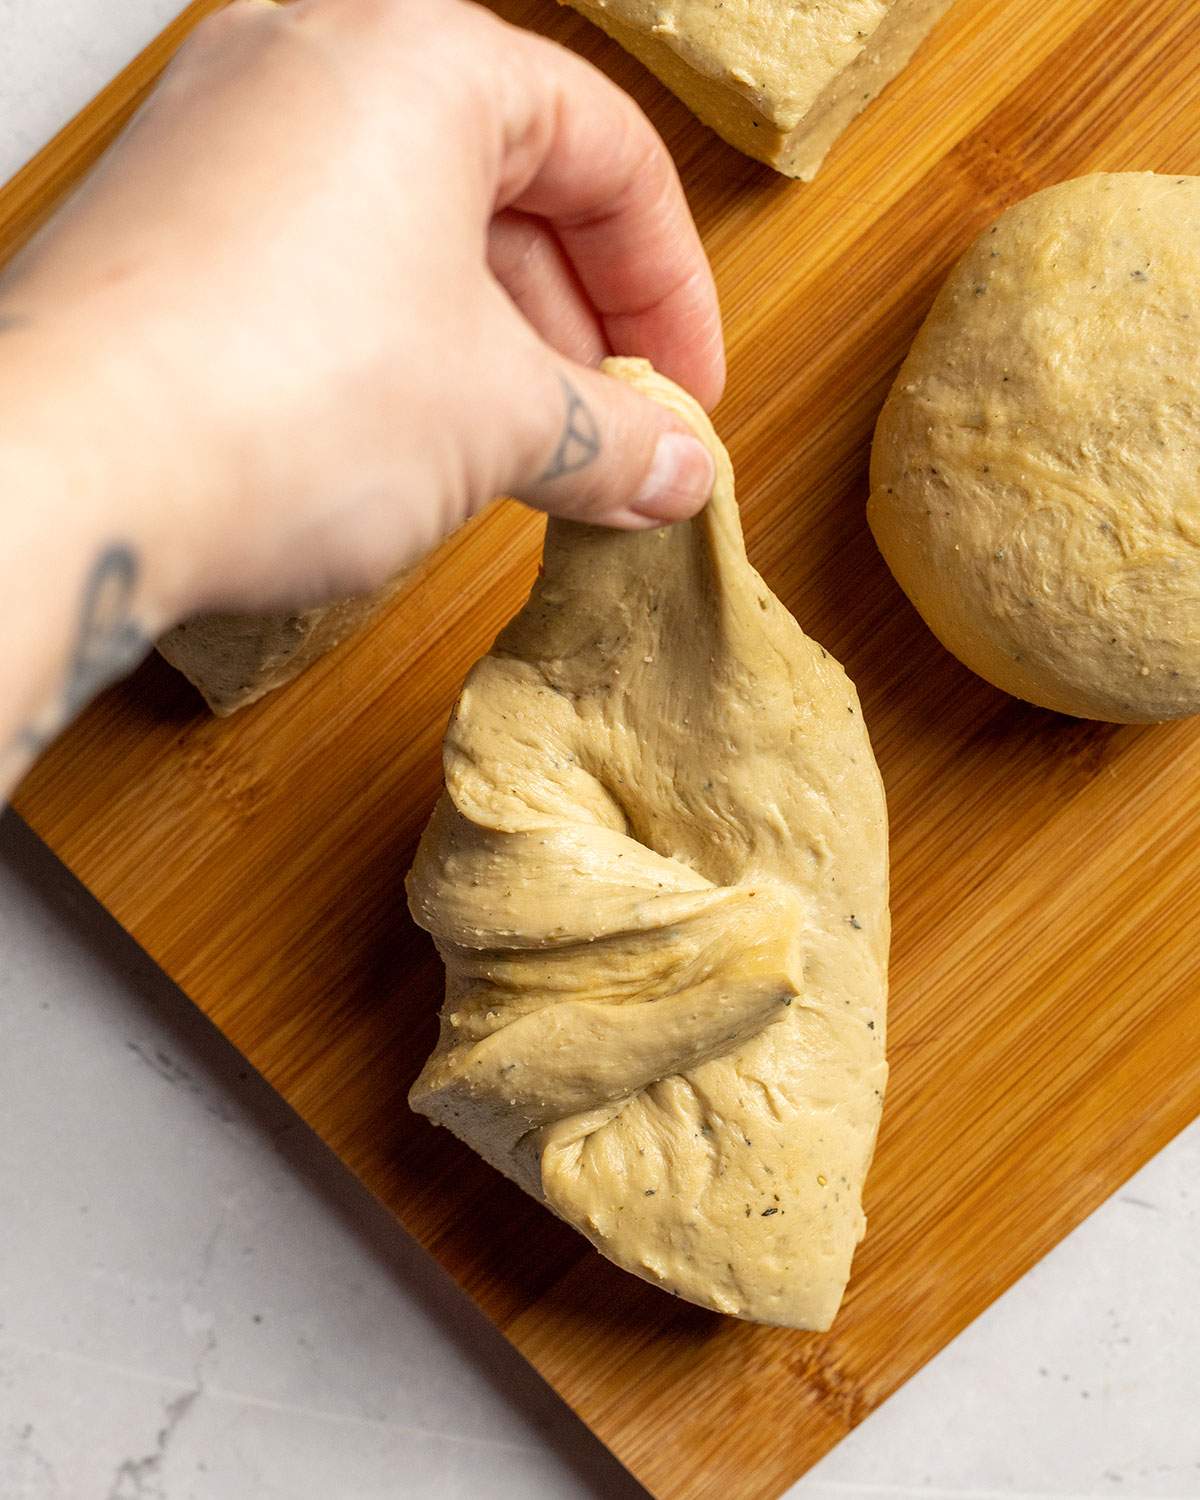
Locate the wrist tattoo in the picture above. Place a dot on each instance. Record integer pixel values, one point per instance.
(109, 642)
(579, 442)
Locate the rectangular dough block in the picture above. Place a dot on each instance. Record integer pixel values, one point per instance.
(236, 659)
(778, 79)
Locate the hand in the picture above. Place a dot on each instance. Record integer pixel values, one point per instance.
(344, 278)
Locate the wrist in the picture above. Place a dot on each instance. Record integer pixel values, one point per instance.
(92, 459)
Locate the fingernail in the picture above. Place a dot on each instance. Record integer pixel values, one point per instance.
(680, 480)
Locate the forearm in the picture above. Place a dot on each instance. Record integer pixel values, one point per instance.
(89, 574)
(270, 371)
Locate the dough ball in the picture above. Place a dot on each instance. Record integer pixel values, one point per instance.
(1035, 481)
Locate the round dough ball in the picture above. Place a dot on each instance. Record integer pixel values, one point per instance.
(1035, 481)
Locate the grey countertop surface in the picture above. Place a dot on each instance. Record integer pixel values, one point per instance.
(198, 1303)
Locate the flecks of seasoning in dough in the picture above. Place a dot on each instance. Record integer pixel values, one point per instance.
(675, 1211)
(767, 1212)
(854, 922)
(822, 1180)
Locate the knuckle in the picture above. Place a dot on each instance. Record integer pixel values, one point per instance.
(225, 28)
(231, 17)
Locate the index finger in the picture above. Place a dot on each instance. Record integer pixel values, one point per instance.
(579, 153)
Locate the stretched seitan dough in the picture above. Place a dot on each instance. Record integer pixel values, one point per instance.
(235, 660)
(658, 879)
(778, 79)
(1034, 478)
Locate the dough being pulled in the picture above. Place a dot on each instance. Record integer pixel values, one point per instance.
(1035, 483)
(658, 878)
(780, 80)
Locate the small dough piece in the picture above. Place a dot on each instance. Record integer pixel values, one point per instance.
(1035, 481)
(658, 879)
(234, 660)
(778, 79)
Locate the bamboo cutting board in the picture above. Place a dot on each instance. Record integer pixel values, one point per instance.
(1047, 927)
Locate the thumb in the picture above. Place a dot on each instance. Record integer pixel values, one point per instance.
(594, 449)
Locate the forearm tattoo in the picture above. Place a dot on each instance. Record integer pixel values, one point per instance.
(108, 643)
(580, 440)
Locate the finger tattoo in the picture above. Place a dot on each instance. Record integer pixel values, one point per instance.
(579, 442)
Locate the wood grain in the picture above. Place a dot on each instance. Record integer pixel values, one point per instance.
(1047, 928)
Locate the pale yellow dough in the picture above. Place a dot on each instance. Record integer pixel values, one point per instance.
(234, 660)
(1035, 482)
(778, 79)
(658, 878)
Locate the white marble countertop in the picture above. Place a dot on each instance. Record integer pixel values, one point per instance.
(198, 1303)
